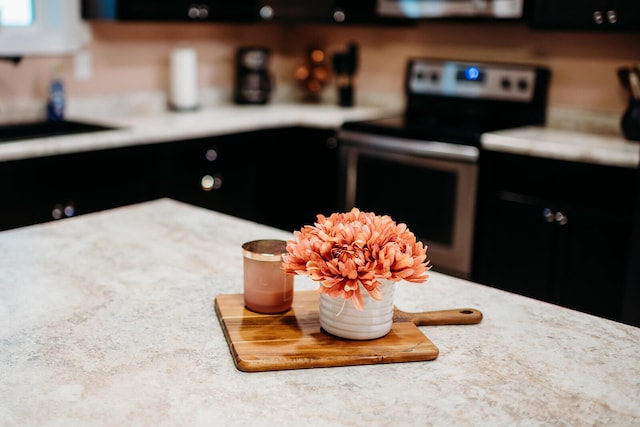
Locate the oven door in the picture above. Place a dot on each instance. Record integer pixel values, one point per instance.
(430, 190)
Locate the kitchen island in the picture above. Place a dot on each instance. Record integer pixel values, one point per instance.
(108, 319)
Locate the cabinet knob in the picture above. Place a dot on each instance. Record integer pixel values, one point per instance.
(208, 182)
(211, 154)
(57, 211)
(612, 16)
(561, 218)
(548, 215)
(266, 12)
(198, 11)
(597, 17)
(193, 12)
(63, 210)
(339, 15)
(332, 142)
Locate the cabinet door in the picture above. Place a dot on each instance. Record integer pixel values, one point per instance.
(298, 177)
(170, 10)
(595, 243)
(324, 12)
(544, 230)
(217, 173)
(519, 252)
(628, 13)
(55, 187)
(584, 14)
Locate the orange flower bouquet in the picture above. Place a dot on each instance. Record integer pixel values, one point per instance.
(345, 250)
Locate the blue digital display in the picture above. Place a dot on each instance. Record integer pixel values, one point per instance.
(470, 74)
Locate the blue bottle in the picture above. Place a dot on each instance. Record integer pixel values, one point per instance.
(55, 104)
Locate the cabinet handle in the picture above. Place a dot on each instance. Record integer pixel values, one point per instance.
(561, 218)
(332, 142)
(612, 17)
(208, 182)
(597, 17)
(548, 215)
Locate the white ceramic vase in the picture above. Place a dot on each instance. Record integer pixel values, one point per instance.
(339, 317)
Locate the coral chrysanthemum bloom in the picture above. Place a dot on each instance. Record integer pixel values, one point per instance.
(347, 249)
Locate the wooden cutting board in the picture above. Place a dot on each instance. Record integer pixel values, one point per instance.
(294, 339)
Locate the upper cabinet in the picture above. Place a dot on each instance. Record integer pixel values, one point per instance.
(324, 11)
(594, 15)
(600, 15)
(250, 11)
(169, 10)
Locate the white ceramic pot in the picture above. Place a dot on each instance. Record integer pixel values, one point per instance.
(339, 317)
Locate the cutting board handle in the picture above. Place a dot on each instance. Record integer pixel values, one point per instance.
(455, 316)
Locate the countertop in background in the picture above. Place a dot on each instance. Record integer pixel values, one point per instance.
(164, 126)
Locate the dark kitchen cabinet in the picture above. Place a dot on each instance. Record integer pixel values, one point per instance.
(601, 15)
(324, 12)
(554, 230)
(298, 176)
(240, 11)
(216, 173)
(170, 10)
(55, 187)
(279, 177)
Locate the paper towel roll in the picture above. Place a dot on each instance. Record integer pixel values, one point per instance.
(183, 94)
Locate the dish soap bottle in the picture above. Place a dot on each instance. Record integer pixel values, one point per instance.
(55, 104)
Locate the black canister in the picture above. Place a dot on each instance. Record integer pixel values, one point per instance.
(253, 83)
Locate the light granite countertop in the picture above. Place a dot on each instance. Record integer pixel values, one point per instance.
(107, 319)
(166, 126)
(139, 124)
(563, 144)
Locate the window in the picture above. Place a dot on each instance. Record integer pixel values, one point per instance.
(41, 27)
(16, 13)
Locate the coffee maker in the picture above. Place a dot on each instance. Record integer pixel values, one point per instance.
(253, 81)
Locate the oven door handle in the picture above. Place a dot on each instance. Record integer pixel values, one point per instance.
(418, 147)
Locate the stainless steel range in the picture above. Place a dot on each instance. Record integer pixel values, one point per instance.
(421, 167)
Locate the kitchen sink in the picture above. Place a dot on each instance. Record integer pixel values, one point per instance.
(43, 129)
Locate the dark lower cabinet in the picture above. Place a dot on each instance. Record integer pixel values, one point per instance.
(56, 187)
(216, 173)
(278, 177)
(554, 230)
(298, 177)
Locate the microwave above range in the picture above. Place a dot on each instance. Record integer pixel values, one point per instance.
(416, 9)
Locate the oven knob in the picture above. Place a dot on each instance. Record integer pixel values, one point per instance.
(434, 77)
(505, 83)
(523, 85)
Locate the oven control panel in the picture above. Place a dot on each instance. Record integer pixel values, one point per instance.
(471, 80)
